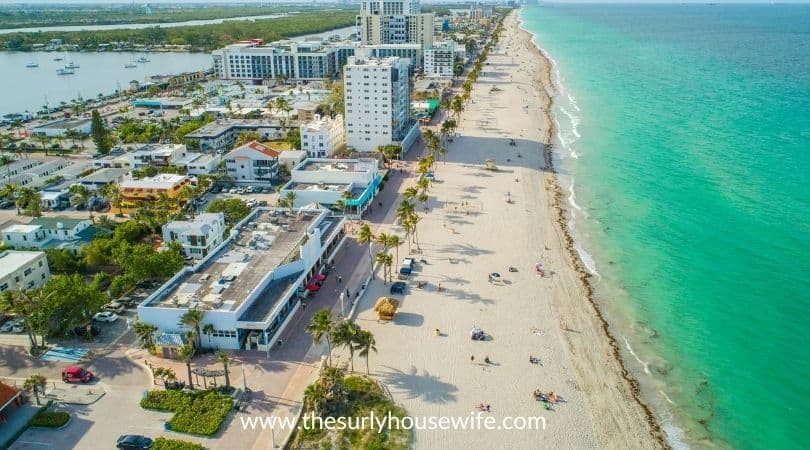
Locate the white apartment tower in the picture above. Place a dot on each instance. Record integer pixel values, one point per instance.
(394, 22)
(377, 101)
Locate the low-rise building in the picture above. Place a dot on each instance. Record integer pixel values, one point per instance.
(117, 160)
(149, 189)
(250, 287)
(197, 236)
(51, 232)
(252, 163)
(200, 164)
(291, 158)
(61, 127)
(323, 136)
(23, 270)
(160, 155)
(346, 185)
(220, 135)
(103, 177)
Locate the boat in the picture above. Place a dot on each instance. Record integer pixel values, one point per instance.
(65, 71)
(71, 65)
(130, 65)
(58, 58)
(32, 64)
(143, 59)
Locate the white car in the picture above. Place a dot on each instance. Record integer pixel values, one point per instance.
(19, 326)
(105, 316)
(6, 327)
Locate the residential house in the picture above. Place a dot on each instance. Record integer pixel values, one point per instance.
(252, 163)
(197, 236)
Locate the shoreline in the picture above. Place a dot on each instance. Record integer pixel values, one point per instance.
(545, 89)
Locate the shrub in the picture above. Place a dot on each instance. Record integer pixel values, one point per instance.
(200, 413)
(49, 419)
(174, 444)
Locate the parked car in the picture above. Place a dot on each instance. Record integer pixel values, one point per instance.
(76, 374)
(5, 204)
(407, 266)
(240, 191)
(398, 287)
(6, 327)
(105, 316)
(232, 190)
(133, 442)
(114, 307)
(18, 326)
(249, 189)
(267, 190)
(88, 331)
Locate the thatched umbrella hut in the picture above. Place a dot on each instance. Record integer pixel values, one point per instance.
(386, 307)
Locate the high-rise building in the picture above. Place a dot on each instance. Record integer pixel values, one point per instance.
(377, 102)
(394, 22)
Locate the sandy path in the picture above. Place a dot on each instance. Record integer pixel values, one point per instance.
(470, 231)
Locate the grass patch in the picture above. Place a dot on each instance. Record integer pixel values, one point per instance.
(174, 444)
(49, 419)
(200, 413)
(336, 395)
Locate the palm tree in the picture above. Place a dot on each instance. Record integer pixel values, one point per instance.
(410, 193)
(80, 193)
(344, 335)
(314, 397)
(113, 194)
(345, 197)
(193, 319)
(367, 237)
(394, 241)
(30, 201)
(457, 106)
(386, 261)
(146, 334)
(185, 195)
(36, 383)
(223, 358)
(186, 353)
(364, 341)
(24, 305)
(320, 327)
(208, 330)
(382, 239)
(290, 200)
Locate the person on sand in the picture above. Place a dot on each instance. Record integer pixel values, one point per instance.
(472, 359)
(487, 360)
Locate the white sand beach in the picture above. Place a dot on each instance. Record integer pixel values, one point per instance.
(470, 231)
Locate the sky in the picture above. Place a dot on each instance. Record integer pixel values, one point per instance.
(269, 2)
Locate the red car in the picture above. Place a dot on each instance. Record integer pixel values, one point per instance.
(76, 374)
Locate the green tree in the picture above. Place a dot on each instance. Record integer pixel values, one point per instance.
(320, 327)
(36, 384)
(23, 306)
(99, 133)
(367, 237)
(68, 301)
(344, 335)
(224, 359)
(208, 329)
(247, 137)
(80, 194)
(193, 319)
(394, 241)
(365, 342)
(385, 260)
(30, 201)
(146, 334)
(186, 353)
(233, 208)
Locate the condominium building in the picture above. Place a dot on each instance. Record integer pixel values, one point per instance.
(220, 135)
(21, 271)
(323, 136)
(346, 185)
(252, 163)
(440, 59)
(149, 189)
(394, 22)
(377, 103)
(250, 286)
(197, 236)
(252, 60)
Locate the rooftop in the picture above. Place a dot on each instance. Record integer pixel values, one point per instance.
(55, 222)
(324, 187)
(11, 260)
(268, 239)
(336, 165)
(64, 124)
(107, 175)
(159, 181)
(218, 127)
(253, 145)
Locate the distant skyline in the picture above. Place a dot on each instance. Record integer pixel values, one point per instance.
(269, 3)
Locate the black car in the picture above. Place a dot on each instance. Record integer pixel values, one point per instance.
(133, 442)
(87, 332)
(398, 287)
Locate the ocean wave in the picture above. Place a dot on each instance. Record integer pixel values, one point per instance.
(572, 197)
(573, 100)
(632, 352)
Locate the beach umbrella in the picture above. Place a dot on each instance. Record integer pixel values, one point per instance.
(386, 307)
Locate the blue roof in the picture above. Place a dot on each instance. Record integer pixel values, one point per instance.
(366, 196)
(169, 339)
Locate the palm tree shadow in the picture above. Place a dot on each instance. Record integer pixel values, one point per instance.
(420, 385)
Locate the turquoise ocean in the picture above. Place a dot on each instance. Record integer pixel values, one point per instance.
(684, 151)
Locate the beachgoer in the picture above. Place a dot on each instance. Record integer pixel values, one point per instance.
(486, 360)
(472, 358)
(340, 279)
(438, 333)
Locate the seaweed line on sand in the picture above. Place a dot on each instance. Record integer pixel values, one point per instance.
(544, 85)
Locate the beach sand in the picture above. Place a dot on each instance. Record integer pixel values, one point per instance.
(470, 231)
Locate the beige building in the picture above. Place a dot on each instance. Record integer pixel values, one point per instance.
(394, 22)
